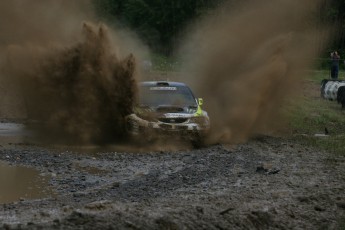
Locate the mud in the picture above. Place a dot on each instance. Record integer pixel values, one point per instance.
(77, 94)
(72, 77)
(246, 58)
(21, 183)
(79, 86)
(268, 182)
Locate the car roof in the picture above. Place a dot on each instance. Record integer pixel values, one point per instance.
(161, 83)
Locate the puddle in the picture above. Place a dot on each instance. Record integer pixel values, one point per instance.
(22, 183)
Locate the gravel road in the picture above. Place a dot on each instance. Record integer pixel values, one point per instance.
(266, 183)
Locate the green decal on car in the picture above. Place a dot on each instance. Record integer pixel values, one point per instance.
(199, 111)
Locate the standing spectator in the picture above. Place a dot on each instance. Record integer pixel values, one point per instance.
(335, 65)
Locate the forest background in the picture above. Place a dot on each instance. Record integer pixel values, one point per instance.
(161, 24)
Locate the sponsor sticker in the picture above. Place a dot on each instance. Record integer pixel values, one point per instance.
(177, 115)
(163, 88)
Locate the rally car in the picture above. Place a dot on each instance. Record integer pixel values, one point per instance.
(168, 109)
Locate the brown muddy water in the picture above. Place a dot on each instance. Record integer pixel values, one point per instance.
(21, 183)
(18, 182)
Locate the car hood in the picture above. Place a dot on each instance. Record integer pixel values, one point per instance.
(165, 111)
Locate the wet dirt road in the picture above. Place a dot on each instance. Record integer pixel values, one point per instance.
(266, 183)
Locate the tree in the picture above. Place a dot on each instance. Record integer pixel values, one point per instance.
(157, 22)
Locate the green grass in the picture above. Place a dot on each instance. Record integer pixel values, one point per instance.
(309, 114)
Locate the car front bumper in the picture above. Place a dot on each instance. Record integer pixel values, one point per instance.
(141, 127)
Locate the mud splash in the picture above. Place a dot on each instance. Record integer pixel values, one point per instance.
(246, 60)
(77, 94)
(73, 78)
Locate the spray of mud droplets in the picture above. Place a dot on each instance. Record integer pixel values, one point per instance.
(79, 88)
(73, 80)
(246, 60)
(80, 93)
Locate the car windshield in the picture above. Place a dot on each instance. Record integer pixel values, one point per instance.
(166, 95)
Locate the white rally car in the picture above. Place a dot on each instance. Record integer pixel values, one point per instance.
(168, 109)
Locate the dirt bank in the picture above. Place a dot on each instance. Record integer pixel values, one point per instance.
(266, 183)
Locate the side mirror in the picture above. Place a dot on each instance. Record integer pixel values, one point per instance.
(200, 101)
